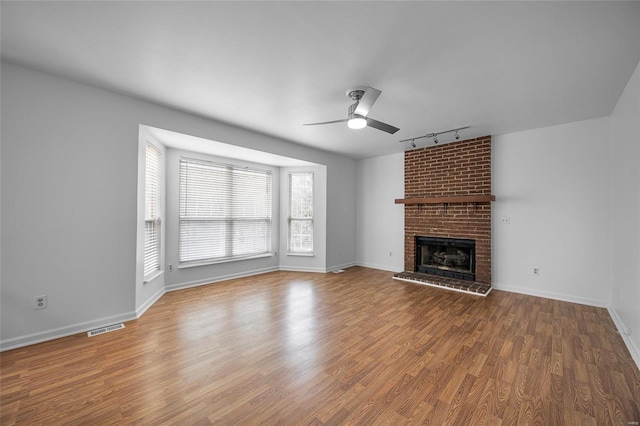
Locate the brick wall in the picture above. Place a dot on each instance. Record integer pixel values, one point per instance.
(458, 168)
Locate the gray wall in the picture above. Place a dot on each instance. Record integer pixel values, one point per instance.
(380, 230)
(69, 165)
(553, 184)
(625, 215)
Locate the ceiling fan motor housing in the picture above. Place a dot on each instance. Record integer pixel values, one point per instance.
(355, 94)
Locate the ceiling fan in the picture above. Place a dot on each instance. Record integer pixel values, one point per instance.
(364, 97)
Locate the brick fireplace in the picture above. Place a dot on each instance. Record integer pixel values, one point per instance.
(448, 196)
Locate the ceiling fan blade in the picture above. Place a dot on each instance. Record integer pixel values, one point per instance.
(326, 122)
(381, 126)
(366, 102)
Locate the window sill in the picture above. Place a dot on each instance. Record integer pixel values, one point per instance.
(152, 277)
(301, 254)
(218, 261)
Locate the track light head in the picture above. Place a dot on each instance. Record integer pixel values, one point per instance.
(457, 135)
(413, 144)
(435, 139)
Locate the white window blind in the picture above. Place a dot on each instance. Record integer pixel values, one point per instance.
(301, 212)
(225, 212)
(152, 210)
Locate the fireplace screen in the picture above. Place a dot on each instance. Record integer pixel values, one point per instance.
(447, 257)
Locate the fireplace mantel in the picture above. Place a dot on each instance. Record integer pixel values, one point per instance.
(448, 200)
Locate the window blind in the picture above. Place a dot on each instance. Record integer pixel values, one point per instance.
(301, 212)
(152, 210)
(225, 211)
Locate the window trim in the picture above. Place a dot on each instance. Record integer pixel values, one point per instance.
(304, 253)
(157, 220)
(228, 257)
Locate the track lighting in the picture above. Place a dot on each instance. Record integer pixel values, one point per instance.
(435, 135)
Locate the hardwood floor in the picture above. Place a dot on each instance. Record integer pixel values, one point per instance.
(352, 348)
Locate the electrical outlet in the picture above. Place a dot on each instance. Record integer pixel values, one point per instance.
(170, 267)
(40, 302)
(505, 220)
(536, 271)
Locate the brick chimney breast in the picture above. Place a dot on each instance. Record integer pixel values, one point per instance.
(454, 169)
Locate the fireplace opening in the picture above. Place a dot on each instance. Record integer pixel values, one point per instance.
(446, 257)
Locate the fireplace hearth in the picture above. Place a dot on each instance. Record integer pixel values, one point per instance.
(446, 257)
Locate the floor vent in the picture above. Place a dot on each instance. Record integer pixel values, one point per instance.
(106, 329)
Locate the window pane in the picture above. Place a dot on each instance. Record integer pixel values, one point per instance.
(252, 194)
(204, 190)
(301, 193)
(151, 246)
(202, 239)
(301, 212)
(251, 237)
(301, 235)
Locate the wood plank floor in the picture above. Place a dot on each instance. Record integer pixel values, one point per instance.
(353, 348)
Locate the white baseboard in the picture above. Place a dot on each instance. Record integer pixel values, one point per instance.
(301, 269)
(149, 303)
(56, 333)
(315, 269)
(180, 286)
(380, 267)
(624, 332)
(550, 295)
(342, 266)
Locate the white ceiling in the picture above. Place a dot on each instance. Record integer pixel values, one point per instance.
(271, 66)
(206, 146)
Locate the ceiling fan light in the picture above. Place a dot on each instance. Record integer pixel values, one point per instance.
(357, 123)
